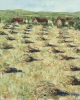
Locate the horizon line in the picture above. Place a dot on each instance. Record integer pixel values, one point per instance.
(42, 10)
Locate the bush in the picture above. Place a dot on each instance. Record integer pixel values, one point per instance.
(77, 23)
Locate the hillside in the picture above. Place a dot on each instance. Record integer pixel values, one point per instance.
(24, 13)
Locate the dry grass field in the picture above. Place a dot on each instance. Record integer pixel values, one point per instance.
(39, 63)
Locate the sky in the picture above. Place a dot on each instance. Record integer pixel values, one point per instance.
(41, 5)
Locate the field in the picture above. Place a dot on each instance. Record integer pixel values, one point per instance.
(7, 15)
(39, 63)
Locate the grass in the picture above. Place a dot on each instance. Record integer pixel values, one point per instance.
(19, 86)
(7, 15)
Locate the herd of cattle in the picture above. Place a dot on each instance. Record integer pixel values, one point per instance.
(58, 21)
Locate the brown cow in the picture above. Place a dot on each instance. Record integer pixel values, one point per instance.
(71, 23)
(60, 21)
(17, 20)
(39, 20)
(64, 21)
(68, 18)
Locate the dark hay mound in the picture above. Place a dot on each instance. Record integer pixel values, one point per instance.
(47, 89)
(12, 70)
(10, 38)
(7, 46)
(73, 81)
(3, 33)
(34, 50)
(28, 41)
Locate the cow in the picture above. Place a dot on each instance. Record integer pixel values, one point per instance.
(64, 22)
(40, 20)
(71, 23)
(17, 20)
(58, 22)
(68, 18)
